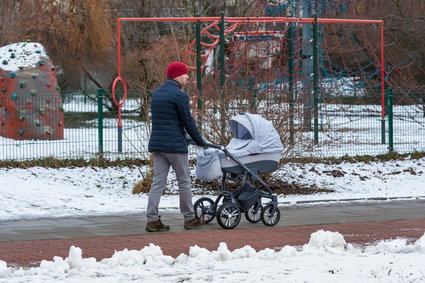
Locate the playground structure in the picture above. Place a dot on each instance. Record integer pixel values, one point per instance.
(277, 67)
(30, 102)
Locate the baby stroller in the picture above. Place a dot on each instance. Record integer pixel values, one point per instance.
(254, 149)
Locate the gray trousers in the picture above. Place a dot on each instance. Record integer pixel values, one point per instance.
(180, 164)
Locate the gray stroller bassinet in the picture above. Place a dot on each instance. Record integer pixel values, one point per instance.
(255, 143)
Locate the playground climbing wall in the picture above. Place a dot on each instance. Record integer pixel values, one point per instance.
(30, 101)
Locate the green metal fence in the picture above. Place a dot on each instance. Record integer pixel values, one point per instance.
(90, 130)
(408, 116)
(344, 127)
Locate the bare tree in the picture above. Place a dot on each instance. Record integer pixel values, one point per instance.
(79, 36)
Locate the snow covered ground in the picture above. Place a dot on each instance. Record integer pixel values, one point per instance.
(69, 192)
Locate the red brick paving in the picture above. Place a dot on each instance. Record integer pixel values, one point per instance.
(30, 253)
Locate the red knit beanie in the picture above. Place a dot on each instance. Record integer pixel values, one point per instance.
(176, 69)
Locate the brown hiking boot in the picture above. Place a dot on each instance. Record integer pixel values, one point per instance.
(157, 226)
(194, 223)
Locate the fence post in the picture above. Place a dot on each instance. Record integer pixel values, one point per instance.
(291, 75)
(120, 138)
(222, 80)
(385, 110)
(100, 95)
(307, 69)
(390, 120)
(315, 82)
(198, 72)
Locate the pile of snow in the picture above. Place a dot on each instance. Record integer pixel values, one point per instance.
(21, 54)
(326, 258)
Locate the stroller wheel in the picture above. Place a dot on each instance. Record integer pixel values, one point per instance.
(204, 209)
(228, 215)
(267, 217)
(253, 214)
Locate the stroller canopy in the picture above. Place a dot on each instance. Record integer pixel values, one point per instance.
(253, 134)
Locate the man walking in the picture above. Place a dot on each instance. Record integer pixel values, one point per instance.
(171, 119)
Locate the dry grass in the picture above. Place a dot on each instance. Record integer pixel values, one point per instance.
(275, 183)
(143, 186)
(62, 163)
(103, 163)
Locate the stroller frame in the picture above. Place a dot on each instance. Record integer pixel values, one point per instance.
(229, 213)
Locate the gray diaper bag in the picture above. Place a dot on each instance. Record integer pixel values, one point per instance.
(208, 165)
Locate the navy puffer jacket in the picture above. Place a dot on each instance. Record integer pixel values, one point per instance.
(171, 116)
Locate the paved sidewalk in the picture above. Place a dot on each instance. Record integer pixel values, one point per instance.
(26, 243)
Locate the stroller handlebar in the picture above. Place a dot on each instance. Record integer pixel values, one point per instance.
(214, 146)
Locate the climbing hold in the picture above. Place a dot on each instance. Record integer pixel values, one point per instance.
(14, 96)
(61, 109)
(48, 132)
(38, 51)
(22, 85)
(5, 62)
(21, 117)
(41, 62)
(29, 102)
(38, 123)
(4, 89)
(34, 76)
(52, 69)
(1, 79)
(10, 50)
(33, 92)
(12, 55)
(21, 132)
(42, 111)
(60, 123)
(58, 88)
(49, 85)
(48, 101)
(12, 75)
(21, 67)
(28, 40)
